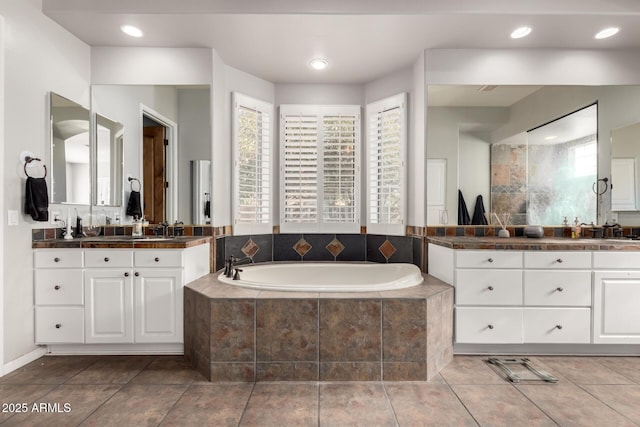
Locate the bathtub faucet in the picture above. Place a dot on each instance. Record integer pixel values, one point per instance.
(231, 262)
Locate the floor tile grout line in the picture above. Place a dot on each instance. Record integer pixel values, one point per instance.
(581, 387)
(533, 402)
(460, 400)
(393, 410)
(175, 403)
(246, 404)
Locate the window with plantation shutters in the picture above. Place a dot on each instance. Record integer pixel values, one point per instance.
(319, 168)
(252, 137)
(386, 152)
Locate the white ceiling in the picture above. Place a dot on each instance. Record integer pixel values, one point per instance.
(363, 40)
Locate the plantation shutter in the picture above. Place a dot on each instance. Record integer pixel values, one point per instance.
(386, 142)
(252, 166)
(319, 160)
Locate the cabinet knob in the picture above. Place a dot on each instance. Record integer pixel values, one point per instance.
(156, 259)
(56, 287)
(490, 288)
(56, 259)
(136, 274)
(126, 274)
(558, 326)
(58, 325)
(559, 289)
(490, 326)
(559, 260)
(490, 260)
(106, 259)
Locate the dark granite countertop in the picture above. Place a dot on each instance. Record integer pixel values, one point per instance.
(534, 244)
(123, 242)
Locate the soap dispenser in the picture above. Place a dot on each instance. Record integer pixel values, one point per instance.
(137, 227)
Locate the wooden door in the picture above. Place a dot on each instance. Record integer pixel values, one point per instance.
(154, 173)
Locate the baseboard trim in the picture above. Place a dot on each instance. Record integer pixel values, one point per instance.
(23, 360)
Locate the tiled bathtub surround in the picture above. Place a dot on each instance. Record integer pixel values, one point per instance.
(321, 247)
(236, 334)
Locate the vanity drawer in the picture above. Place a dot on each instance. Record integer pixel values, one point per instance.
(607, 260)
(479, 325)
(56, 258)
(557, 325)
(488, 259)
(59, 287)
(557, 288)
(489, 287)
(557, 259)
(109, 258)
(59, 325)
(158, 258)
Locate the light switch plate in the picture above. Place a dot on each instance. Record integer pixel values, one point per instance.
(13, 218)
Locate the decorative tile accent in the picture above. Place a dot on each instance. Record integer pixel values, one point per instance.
(250, 248)
(302, 246)
(387, 249)
(335, 247)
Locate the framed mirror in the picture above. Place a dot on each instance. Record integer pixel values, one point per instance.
(109, 137)
(70, 151)
(625, 154)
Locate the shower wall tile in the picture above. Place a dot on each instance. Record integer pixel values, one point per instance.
(350, 330)
(318, 251)
(355, 247)
(283, 245)
(220, 254)
(287, 330)
(404, 330)
(232, 330)
(233, 246)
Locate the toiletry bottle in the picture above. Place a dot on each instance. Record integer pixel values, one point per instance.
(578, 230)
(137, 227)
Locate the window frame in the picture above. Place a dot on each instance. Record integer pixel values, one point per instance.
(320, 112)
(373, 110)
(240, 100)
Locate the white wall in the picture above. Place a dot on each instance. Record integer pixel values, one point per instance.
(39, 57)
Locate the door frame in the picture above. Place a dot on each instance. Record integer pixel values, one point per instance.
(171, 159)
(2, 221)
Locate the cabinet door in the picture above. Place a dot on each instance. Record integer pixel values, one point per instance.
(616, 307)
(158, 305)
(108, 306)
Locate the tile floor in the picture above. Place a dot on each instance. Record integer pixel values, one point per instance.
(162, 390)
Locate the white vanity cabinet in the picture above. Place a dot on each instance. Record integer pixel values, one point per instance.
(616, 298)
(557, 297)
(59, 301)
(112, 299)
(488, 289)
(519, 297)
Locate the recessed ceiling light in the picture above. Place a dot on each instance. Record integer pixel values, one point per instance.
(318, 63)
(607, 32)
(131, 30)
(550, 137)
(520, 32)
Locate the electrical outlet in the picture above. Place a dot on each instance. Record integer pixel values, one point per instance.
(55, 217)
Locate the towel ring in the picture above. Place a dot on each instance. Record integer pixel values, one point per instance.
(29, 159)
(131, 183)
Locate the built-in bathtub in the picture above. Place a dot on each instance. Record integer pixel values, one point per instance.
(326, 277)
(237, 333)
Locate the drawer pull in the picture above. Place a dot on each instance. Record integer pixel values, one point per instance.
(490, 288)
(106, 259)
(559, 260)
(559, 289)
(56, 259)
(156, 259)
(126, 274)
(58, 325)
(56, 287)
(136, 274)
(490, 260)
(558, 327)
(490, 326)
